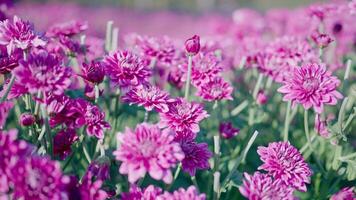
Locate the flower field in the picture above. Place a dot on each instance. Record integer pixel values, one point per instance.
(104, 103)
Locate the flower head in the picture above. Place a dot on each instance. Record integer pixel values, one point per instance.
(263, 187)
(150, 97)
(190, 193)
(90, 189)
(285, 163)
(346, 193)
(5, 108)
(196, 156)
(227, 131)
(147, 149)
(94, 119)
(321, 39)
(8, 62)
(18, 34)
(27, 119)
(183, 115)
(43, 72)
(261, 97)
(312, 86)
(126, 69)
(70, 28)
(192, 45)
(136, 193)
(93, 72)
(63, 141)
(215, 89)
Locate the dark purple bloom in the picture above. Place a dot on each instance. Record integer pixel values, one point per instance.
(192, 45)
(93, 72)
(196, 156)
(27, 119)
(346, 193)
(227, 131)
(63, 141)
(99, 168)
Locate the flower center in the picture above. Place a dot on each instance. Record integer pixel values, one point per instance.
(311, 84)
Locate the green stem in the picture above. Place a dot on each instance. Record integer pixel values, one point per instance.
(47, 130)
(9, 86)
(187, 84)
(239, 108)
(216, 185)
(97, 93)
(108, 36)
(306, 129)
(287, 121)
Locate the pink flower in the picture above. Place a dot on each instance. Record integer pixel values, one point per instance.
(321, 39)
(147, 149)
(90, 189)
(312, 86)
(227, 131)
(261, 98)
(63, 141)
(95, 120)
(285, 163)
(196, 156)
(18, 34)
(150, 97)
(215, 89)
(5, 108)
(192, 45)
(93, 72)
(321, 127)
(70, 28)
(9, 62)
(262, 187)
(205, 66)
(136, 193)
(27, 119)
(183, 115)
(43, 72)
(346, 193)
(126, 69)
(190, 193)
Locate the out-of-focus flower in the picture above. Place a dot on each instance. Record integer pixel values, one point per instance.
(16, 90)
(147, 149)
(90, 189)
(261, 98)
(63, 141)
(99, 168)
(126, 69)
(190, 193)
(5, 108)
(346, 193)
(321, 127)
(183, 115)
(215, 89)
(136, 193)
(262, 187)
(312, 86)
(42, 72)
(69, 29)
(192, 45)
(205, 66)
(196, 156)
(8, 62)
(27, 119)
(227, 131)
(11, 150)
(150, 97)
(18, 34)
(285, 163)
(321, 39)
(38, 178)
(93, 72)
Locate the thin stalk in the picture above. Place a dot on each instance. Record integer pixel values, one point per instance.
(146, 116)
(108, 36)
(257, 86)
(348, 69)
(341, 115)
(239, 108)
(306, 129)
(287, 121)
(8, 88)
(216, 185)
(352, 155)
(187, 84)
(97, 93)
(194, 180)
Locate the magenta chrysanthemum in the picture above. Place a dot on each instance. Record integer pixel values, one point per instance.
(196, 156)
(38, 178)
(5, 108)
(183, 115)
(150, 97)
(18, 34)
(346, 193)
(126, 69)
(69, 29)
(136, 193)
(262, 187)
(95, 121)
(312, 86)
(147, 149)
(190, 193)
(42, 72)
(284, 162)
(227, 131)
(215, 89)
(93, 72)
(63, 141)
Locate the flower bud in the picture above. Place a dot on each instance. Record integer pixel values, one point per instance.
(27, 119)
(227, 131)
(94, 72)
(261, 98)
(192, 45)
(321, 39)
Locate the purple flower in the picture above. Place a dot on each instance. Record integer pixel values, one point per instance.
(69, 29)
(205, 66)
(190, 193)
(227, 131)
(196, 156)
(285, 163)
(90, 189)
(100, 167)
(42, 72)
(8, 62)
(321, 39)
(18, 34)
(215, 89)
(5, 108)
(312, 86)
(346, 193)
(94, 119)
(183, 115)
(126, 69)
(93, 72)
(63, 141)
(150, 97)
(321, 127)
(262, 187)
(136, 193)
(147, 149)
(27, 119)
(38, 178)
(192, 45)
